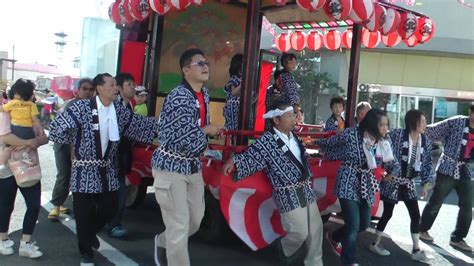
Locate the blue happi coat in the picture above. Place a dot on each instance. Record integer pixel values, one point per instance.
(285, 173)
(79, 125)
(290, 93)
(180, 135)
(454, 133)
(354, 181)
(331, 124)
(400, 147)
(232, 105)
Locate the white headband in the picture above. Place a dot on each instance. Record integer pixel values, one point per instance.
(277, 112)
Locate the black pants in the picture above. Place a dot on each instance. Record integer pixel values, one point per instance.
(62, 154)
(413, 210)
(32, 195)
(444, 185)
(121, 201)
(92, 213)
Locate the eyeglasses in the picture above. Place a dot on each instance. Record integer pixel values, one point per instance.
(91, 89)
(200, 63)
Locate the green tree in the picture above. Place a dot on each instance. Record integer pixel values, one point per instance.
(312, 82)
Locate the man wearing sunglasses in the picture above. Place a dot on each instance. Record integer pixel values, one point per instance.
(182, 134)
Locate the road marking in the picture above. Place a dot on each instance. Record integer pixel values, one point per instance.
(455, 254)
(109, 252)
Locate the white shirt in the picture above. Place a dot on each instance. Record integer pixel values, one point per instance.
(108, 126)
(291, 143)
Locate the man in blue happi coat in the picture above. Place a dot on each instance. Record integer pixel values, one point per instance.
(94, 128)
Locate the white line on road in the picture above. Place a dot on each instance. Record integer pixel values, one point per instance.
(455, 254)
(110, 253)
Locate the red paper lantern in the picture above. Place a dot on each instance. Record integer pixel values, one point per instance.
(282, 42)
(114, 13)
(391, 39)
(362, 10)
(314, 40)
(124, 11)
(370, 39)
(160, 7)
(310, 5)
(338, 9)
(178, 4)
(411, 41)
(298, 40)
(198, 2)
(378, 17)
(332, 40)
(280, 2)
(139, 9)
(425, 30)
(407, 25)
(347, 39)
(392, 20)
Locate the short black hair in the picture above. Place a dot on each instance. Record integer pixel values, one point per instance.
(24, 88)
(335, 100)
(99, 80)
(471, 108)
(236, 64)
(85, 80)
(370, 123)
(121, 78)
(187, 56)
(412, 119)
(286, 57)
(277, 74)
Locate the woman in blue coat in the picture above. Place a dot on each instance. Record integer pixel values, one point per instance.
(413, 150)
(361, 150)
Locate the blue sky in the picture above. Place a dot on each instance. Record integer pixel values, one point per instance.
(30, 25)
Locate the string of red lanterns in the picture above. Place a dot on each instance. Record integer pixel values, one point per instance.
(380, 22)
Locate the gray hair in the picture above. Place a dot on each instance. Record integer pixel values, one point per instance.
(361, 106)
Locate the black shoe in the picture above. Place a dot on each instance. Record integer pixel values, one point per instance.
(162, 256)
(95, 243)
(87, 260)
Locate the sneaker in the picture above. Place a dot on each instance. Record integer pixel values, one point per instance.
(379, 250)
(87, 260)
(426, 237)
(29, 250)
(419, 255)
(53, 215)
(336, 246)
(64, 210)
(461, 244)
(118, 232)
(6, 247)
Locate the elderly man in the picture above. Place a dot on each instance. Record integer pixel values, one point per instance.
(62, 156)
(283, 157)
(94, 128)
(361, 110)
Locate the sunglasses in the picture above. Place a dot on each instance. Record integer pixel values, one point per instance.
(200, 63)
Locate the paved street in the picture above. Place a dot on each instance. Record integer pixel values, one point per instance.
(58, 242)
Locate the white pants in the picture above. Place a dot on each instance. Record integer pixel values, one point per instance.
(295, 223)
(181, 200)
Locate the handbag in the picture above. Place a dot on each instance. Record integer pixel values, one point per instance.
(25, 167)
